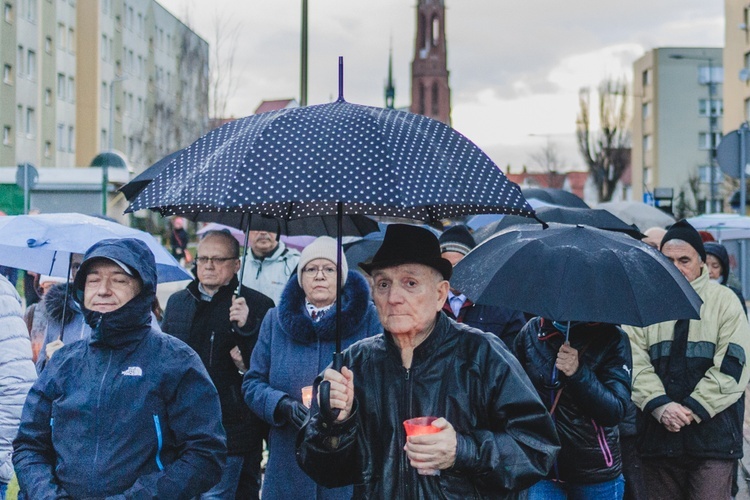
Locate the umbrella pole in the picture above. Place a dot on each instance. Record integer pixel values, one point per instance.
(338, 359)
(67, 292)
(244, 253)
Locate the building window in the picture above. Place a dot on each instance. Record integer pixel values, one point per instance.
(646, 77)
(31, 64)
(71, 139)
(61, 137)
(30, 122)
(8, 12)
(7, 135)
(704, 140)
(19, 61)
(71, 40)
(747, 109)
(648, 142)
(646, 110)
(717, 107)
(48, 45)
(71, 89)
(48, 96)
(716, 74)
(47, 149)
(61, 31)
(61, 86)
(104, 138)
(104, 47)
(104, 96)
(8, 74)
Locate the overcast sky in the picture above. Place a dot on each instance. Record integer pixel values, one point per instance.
(515, 65)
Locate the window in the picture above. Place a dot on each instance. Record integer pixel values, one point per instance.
(648, 142)
(106, 5)
(103, 137)
(47, 149)
(104, 47)
(747, 109)
(8, 12)
(31, 64)
(704, 172)
(71, 40)
(61, 137)
(7, 135)
(61, 86)
(48, 45)
(704, 140)
(646, 77)
(19, 61)
(48, 96)
(71, 89)
(19, 119)
(716, 74)
(717, 107)
(646, 110)
(61, 31)
(71, 139)
(31, 10)
(30, 122)
(104, 95)
(7, 74)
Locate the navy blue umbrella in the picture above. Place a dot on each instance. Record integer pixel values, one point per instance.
(558, 197)
(576, 273)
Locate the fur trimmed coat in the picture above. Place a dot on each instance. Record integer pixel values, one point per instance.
(292, 351)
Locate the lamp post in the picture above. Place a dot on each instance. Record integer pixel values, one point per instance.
(303, 58)
(711, 206)
(110, 139)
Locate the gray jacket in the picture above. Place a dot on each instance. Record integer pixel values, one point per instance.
(269, 275)
(17, 372)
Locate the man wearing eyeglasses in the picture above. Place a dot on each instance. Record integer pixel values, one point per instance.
(223, 328)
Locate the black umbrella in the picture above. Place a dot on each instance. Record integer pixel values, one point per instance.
(601, 219)
(576, 273)
(333, 159)
(555, 196)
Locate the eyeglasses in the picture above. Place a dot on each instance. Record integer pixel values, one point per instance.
(312, 272)
(214, 260)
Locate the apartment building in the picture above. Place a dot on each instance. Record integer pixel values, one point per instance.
(677, 124)
(85, 76)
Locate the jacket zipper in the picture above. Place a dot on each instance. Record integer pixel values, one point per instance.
(98, 406)
(159, 442)
(407, 473)
(211, 350)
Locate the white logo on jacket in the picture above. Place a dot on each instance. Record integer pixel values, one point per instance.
(133, 371)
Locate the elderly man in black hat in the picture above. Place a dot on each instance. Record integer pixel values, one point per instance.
(689, 377)
(455, 243)
(492, 436)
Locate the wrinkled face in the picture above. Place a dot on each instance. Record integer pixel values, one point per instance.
(319, 282)
(654, 236)
(108, 287)
(685, 257)
(262, 243)
(714, 267)
(75, 265)
(216, 264)
(452, 257)
(408, 297)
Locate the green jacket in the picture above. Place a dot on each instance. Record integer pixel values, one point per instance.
(717, 374)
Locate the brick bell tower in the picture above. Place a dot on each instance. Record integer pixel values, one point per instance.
(430, 92)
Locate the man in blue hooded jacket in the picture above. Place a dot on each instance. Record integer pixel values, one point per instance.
(131, 413)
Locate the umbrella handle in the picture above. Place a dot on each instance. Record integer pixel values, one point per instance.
(324, 391)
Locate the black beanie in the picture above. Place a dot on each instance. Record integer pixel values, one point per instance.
(682, 230)
(457, 239)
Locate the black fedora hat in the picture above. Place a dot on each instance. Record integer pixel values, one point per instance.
(406, 244)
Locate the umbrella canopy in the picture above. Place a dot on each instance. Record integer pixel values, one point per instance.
(558, 197)
(139, 182)
(44, 243)
(564, 215)
(576, 273)
(723, 226)
(642, 215)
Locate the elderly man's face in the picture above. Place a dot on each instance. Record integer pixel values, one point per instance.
(685, 257)
(408, 297)
(216, 264)
(452, 257)
(262, 243)
(108, 287)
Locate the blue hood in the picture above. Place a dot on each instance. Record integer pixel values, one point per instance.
(132, 321)
(720, 252)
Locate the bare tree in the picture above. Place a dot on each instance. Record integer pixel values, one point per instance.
(223, 84)
(686, 204)
(607, 151)
(548, 159)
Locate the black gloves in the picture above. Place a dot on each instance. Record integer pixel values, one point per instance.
(292, 411)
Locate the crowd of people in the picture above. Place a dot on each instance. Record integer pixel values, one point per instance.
(119, 402)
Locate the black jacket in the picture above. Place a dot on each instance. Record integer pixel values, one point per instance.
(506, 438)
(593, 400)
(119, 414)
(205, 327)
(503, 322)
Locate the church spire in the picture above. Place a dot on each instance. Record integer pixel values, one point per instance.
(390, 89)
(430, 91)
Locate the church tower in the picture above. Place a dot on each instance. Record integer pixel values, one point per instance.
(430, 93)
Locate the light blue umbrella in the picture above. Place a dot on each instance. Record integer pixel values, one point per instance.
(44, 243)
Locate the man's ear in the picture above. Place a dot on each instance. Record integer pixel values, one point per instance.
(443, 288)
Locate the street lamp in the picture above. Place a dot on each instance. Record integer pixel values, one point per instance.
(711, 126)
(303, 58)
(110, 139)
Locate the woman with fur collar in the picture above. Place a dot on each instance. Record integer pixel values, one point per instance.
(295, 344)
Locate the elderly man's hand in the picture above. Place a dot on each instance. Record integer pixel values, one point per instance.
(676, 416)
(53, 347)
(433, 451)
(239, 311)
(567, 359)
(342, 391)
